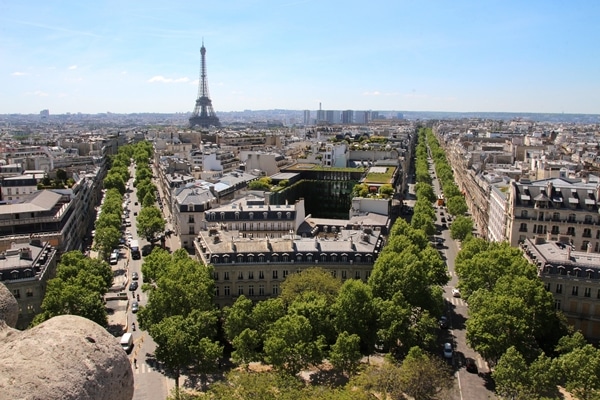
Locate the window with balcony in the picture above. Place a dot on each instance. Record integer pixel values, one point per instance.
(571, 218)
(523, 227)
(250, 275)
(217, 291)
(226, 291)
(587, 219)
(558, 288)
(587, 292)
(587, 232)
(276, 289)
(240, 275)
(240, 290)
(344, 274)
(261, 275)
(261, 290)
(285, 274)
(555, 230)
(251, 290)
(226, 276)
(274, 274)
(190, 219)
(191, 230)
(16, 293)
(524, 213)
(575, 291)
(585, 244)
(29, 292)
(571, 231)
(557, 304)
(556, 216)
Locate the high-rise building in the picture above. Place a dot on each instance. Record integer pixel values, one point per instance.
(307, 117)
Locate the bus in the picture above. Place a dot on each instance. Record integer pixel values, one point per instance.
(135, 250)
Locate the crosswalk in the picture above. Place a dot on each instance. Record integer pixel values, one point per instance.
(142, 368)
(457, 301)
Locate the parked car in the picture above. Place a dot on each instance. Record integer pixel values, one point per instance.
(470, 365)
(135, 276)
(133, 286)
(448, 350)
(455, 292)
(135, 307)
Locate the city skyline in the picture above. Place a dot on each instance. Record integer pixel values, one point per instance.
(466, 56)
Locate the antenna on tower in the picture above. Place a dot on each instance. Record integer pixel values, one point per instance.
(203, 115)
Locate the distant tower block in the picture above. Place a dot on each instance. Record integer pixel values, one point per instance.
(204, 115)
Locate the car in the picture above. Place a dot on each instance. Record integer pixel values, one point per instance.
(448, 353)
(135, 213)
(136, 203)
(443, 322)
(135, 276)
(470, 365)
(133, 286)
(455, 292)
(443, 219)
(444, 226)
(442, 213)
(135, 307)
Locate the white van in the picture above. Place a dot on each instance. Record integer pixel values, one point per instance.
(127, 342)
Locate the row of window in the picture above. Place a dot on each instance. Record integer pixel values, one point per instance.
(587, 219)
(212, 216)
(13, 275)
(300, 257)
(17, 293)
(555, 230)
(250, 292)
(241, 275)
(587, 292)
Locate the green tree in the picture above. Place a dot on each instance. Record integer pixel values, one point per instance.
(155, 264)
(579, 371)
(61, 175)
(386, 190)
(345, 353)
(149, 200)
(149, 223)
(314, 279)
(456, 205)
(511, 377)
(461, 228)
(238, 317)
(106, 239)
(246, 346)
(265, 313)
(424, 377)
(355, 313)
(289, 345)
(114, 181)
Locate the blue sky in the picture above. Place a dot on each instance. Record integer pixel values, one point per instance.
(429, 55)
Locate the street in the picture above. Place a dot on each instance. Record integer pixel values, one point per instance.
(471, 385)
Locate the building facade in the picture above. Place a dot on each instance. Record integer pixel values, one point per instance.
(558, 209)
(25, 269)
(573, 278)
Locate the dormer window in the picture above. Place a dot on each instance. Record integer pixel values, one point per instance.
(279, 215)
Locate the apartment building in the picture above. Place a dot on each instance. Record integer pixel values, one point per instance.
(573, 278)
(558, 209)
(25, 268)
(256, 266)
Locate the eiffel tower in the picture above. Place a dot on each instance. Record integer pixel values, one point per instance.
(203, 115)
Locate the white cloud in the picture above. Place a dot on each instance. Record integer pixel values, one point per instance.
(73, 67)
(378, 93)
(162, 79)
(37, 93)
(19, 73)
